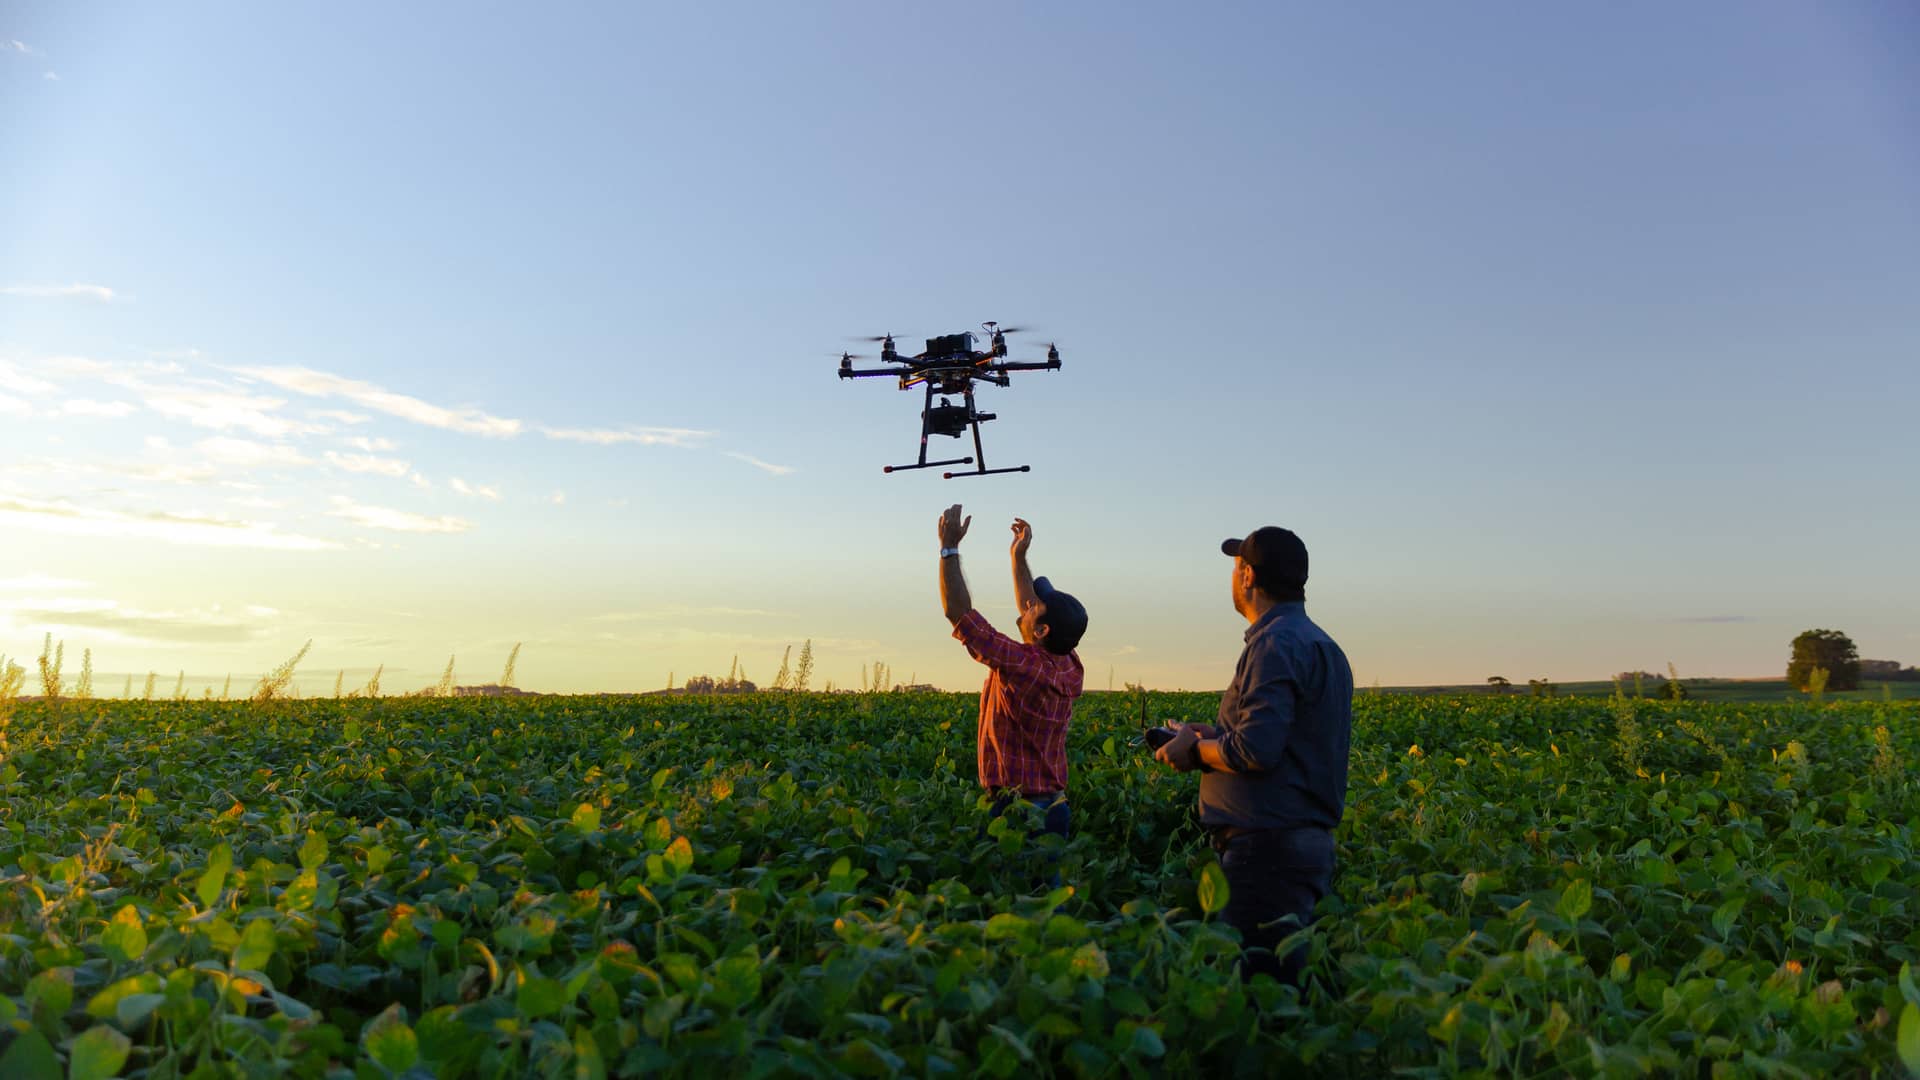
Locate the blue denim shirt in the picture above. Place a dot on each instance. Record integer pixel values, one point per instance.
(1285, 724)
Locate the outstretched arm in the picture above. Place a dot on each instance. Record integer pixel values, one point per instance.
(1022, 577)
(953, 585)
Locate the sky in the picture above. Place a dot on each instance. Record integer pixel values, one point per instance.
(1571, 339)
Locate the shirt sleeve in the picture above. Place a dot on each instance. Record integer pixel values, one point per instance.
(987, 645)
(1253, 738)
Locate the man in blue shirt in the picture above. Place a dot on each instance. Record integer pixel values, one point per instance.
(1275, 765)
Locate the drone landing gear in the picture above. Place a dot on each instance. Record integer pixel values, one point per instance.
(984, 472)
(925, 464)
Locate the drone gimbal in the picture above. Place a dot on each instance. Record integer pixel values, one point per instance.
(950, 366)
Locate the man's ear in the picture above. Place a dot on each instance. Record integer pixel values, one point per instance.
(1040, 632)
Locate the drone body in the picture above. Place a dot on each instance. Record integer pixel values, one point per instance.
(950, 366)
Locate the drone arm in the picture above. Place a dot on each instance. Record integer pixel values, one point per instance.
(866, 373)
(1023, 365)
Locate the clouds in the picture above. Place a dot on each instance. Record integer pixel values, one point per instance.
(776, 470)
(642, 436)
(368, 463)
(380, 517)
(88, 292)
(366, 395)
(198, 627)
(187, 528)
(474, 491)
(105, 410)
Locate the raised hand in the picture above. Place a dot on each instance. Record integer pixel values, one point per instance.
(952, 528)
(1022, 537)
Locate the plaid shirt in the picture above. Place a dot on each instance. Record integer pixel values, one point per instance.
(1024, 709)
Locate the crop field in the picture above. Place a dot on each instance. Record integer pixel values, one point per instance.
(793, 884)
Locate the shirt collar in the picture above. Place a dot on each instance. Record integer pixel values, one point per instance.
(1282, 610)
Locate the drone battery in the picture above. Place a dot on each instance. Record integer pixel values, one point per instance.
(949, 345)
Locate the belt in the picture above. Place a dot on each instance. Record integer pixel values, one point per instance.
(1222, 835)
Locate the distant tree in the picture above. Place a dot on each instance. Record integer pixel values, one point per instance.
(1499, 684)
(1829, 649)
(1884, 670)
(1541, 688)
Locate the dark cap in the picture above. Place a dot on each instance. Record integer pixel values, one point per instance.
(1066, 617)
(1278, 558)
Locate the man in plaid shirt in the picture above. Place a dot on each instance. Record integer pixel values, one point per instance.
(1031, 683)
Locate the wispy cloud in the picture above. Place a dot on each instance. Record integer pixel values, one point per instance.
(137, 472)
(248, 454)
(224, 410)
(1126, 650)
(339, 416)
(40, 583)
(368, 463)
(475, 491)
(558, 498)
(371, 446)
(1715, 619)
(94, 292)
(133, 624)
(13, 406)
(106, 410)
(16, 45)
(176, 528)
(380, 517)
(21, 382)
(681, 612)
(777, 470)
(368, 396)
(643, 436)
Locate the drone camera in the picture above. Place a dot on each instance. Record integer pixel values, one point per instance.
(945, 419)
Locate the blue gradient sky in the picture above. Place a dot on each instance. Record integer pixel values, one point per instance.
(1571, 340)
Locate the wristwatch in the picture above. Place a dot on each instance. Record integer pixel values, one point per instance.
(949, 552)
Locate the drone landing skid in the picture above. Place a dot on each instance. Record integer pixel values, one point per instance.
(927, 465)
(984, 472)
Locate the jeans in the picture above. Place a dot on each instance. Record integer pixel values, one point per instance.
(1058, 816)
(1273, 874)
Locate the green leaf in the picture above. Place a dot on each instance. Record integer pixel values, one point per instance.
(840, 877)
(377, 859)
(256, 946)
(1907, 988)
(30, 1057)
(736, 981)
(314, 851)
(1213, 889)
(219, 861)
(1576, 901)
(98, 1054)
(389, 1041)
(1005, 925)
(587, 1062)
(105, 1004)
(586, 818)
(1147, 1043)
(132, 1011)
(302, 892)
(539, 996)
(125, 939)
(1909, 1039)
(1725, 914)
(679, 856)
(54, 989)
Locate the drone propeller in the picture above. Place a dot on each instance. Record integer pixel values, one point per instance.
(850, 356)
(1016, 330)
(878, 339)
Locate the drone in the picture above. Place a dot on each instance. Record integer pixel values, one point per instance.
(949, 367)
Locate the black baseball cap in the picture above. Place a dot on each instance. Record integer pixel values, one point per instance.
(1278, 558)
(1066, 617)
